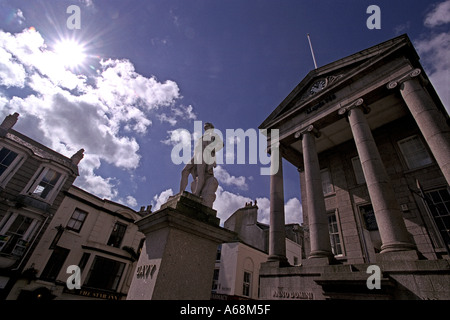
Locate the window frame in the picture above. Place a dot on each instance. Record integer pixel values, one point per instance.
(98, 284)
(21, 240)
(338, 233)
(330, 181)
(437, 215)
(407, 161)
(6, 176)
(247, 285)
(363, 217)
(76, 220)
(112, 231)
(215, 284)
(57, 259)
(37, 179)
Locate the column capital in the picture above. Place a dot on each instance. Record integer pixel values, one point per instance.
(404, 77)
(309, 129)
(357, 103)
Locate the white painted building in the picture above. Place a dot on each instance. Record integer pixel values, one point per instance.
(97, 235)
(236, 274)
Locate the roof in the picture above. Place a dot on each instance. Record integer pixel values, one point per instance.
(337, 68)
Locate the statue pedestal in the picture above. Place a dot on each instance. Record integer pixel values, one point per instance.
(178, 256)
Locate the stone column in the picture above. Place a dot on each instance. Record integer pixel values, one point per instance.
(277, 233)
(431, 122)
(392, 228)
(317, 215)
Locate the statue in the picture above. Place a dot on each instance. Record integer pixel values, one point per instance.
(201, 166)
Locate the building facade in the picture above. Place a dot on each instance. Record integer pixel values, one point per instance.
(236, 273)
(371, 140)
(33, 179)
(98, 236)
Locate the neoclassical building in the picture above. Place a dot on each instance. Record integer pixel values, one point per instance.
(371, 140)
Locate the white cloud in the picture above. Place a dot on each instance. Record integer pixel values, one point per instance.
(434, 49)
(12, 74)
(67, 111)
(87, 3)
(164, 118)
(439, 15)
(186, 112)
(178, 112)
(177, 136)
(227, 203)
(292, 211)
(131, 201)
(224, 177)
(160, 199)
(19, 16)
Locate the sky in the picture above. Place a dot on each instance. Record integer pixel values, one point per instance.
(141, 72)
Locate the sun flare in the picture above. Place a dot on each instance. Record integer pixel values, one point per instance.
(70, 53)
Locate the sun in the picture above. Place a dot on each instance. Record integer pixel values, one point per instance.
(70, 53)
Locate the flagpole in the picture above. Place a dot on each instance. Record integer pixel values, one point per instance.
(312, 52)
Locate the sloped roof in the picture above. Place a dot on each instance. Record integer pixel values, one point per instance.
(336, 71)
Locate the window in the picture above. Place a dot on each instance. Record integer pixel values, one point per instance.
(357, 169)
(438, 202)
(414, 152)
(76, 221)
(15, 233)
(46, 184)
(327, 186)
(219, 252)
(105, 274)
(6, 158)
(9, 160)
(247, 283)
(215, 280)
(54, 264)
(84, 259)
(368, 217)
(335, 237)
(117, 235)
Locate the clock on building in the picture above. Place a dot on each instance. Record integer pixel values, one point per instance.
(318, 86)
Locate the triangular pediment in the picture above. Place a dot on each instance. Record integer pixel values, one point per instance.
(328, 77)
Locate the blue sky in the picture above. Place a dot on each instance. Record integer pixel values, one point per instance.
(154, 67)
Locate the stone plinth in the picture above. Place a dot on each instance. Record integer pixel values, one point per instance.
(399, 280)
(178, 256)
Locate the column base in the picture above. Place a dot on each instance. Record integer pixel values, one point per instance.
(408, 255)
(398, 246)
(320, 257)
(281, 261)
